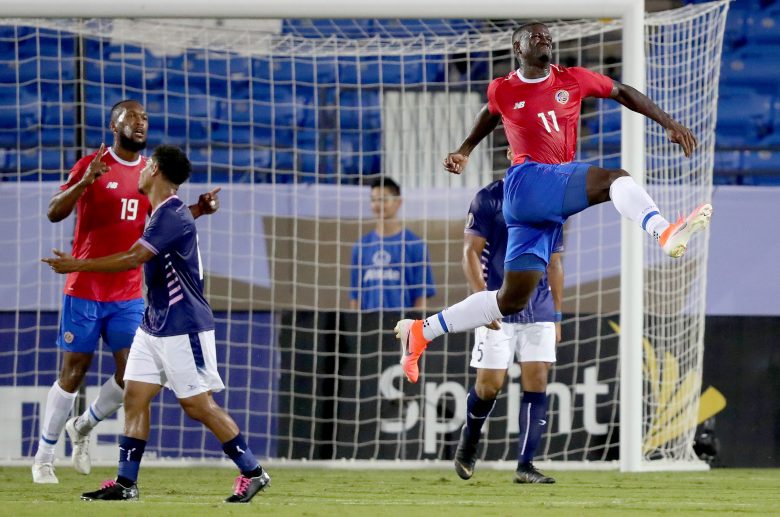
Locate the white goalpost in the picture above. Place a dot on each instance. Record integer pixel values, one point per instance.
(294, 108)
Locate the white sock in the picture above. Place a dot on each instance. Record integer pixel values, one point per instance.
(478, 309)
(634, 203)
(107, 402)
(58, 406)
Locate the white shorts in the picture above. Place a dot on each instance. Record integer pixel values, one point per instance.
(497, 349)
(186, 365)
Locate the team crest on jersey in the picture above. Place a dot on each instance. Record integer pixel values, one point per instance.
(562, 96)
(68, 337)
(381, 258)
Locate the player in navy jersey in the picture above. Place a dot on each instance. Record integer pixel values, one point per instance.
(529, 335)
(174, 345)
(391, 268)
(102, 188)
(539, 105)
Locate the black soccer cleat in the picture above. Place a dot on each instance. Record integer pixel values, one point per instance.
(528, 474)
(465, 456)
(110, 490)
(244, 488)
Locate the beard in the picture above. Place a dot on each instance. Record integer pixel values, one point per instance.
(131, 145)
(544, 58)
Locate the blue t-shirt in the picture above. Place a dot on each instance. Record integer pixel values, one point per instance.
(486, 220)
(390, 272)
(174, 276)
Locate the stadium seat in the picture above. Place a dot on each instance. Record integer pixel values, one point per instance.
(316, 28)
(758, 163)
(751, 67)
(744, 117)
(360, 152)
(762, 28)
(360, 108)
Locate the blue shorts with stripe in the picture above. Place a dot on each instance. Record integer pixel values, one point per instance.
(84, 322)
(538, 197)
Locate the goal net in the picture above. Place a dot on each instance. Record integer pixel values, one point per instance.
(294, 119)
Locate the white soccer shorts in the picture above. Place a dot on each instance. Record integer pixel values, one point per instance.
(497, 349)
(187, 365)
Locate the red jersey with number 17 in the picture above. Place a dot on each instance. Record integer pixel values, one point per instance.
(111, 214)
(541, 116)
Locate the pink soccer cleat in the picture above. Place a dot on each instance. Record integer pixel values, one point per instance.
(674, 240)
(413, 344)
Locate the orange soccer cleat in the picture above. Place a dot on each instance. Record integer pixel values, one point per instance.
(413, 344)
(675, 239)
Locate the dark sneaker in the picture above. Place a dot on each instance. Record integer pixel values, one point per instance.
(110, 490)
(465, 456)
(244, 488)
(529, 474)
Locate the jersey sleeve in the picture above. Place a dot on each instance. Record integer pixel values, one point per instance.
(77, 172)
(481, 216)
(164, 229)
(593, 84)
(492, 104)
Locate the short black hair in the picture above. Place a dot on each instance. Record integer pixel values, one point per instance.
(173, 163)
(526, 27)
(115, 107)
(388, 183)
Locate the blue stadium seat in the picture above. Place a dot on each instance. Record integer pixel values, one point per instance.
(744, 117)
(314, 28)
(762, 28)
(762, 162)
(735, 35)
(231, 133)
(360, 108)
(360, 152)
(365, 71)
(752, 67)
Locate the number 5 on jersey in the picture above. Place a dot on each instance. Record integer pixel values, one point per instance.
(129, 209)
(546, 124)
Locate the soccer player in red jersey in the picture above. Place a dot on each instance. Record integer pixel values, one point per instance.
(110, 217)
(539, 104)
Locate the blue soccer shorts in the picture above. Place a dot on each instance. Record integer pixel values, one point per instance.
(84, 322)
(538, 197)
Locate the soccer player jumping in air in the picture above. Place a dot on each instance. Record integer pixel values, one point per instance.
(539, 105)
(175, 344)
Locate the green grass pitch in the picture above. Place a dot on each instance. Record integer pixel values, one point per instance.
(324, 492)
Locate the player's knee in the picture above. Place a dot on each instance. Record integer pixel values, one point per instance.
(486, 390)
(197, 412)
(71, 378)
(511, 304)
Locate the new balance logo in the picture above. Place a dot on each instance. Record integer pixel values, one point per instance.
(519, 105)
(112, 184)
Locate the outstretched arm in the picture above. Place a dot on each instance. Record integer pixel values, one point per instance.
(641, 103)
(65, 263)
(484, 125)
(62, 203)
(207, 204)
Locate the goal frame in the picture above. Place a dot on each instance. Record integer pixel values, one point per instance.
(631, 12)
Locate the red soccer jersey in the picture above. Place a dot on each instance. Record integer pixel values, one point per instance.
(111, 214)
(541, 115)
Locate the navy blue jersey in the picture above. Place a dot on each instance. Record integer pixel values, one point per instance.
(174, 276)
(390, 272)
(486, 220)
